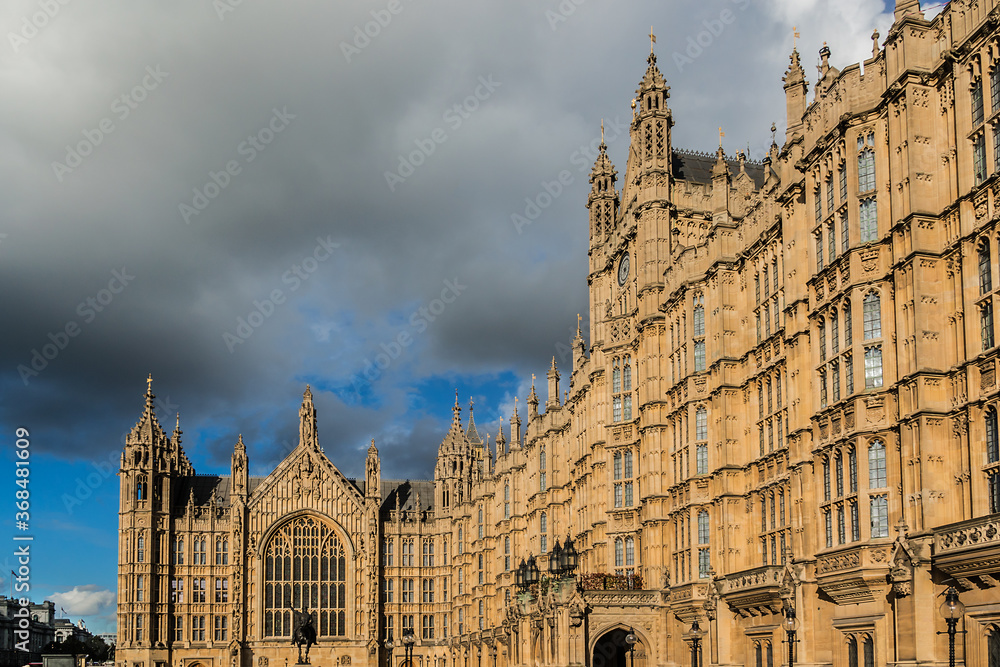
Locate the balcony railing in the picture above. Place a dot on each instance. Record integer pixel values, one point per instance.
(602, 581)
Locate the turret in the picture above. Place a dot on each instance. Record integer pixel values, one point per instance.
(501, 441)
(721, 183)
(553, 401)
(515, 428)
(532, 401)
(652, 121)
(455, 462)
(240, 478)
(603, 199)
(795, 96)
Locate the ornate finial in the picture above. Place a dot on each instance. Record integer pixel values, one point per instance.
(773, 128)
(532, 385)
(456, 398)
(471, 404)
(721, 134)
(602, 131)
(875, 37)
(652, 40)
(177, 428)
(795, 36)
(149, 384)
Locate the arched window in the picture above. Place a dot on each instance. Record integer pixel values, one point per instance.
(876, 465)
(985, 268)
(699, 314)
(834, 332)
(541, 469)
(872, 316)
(222, 551)
(627, 374)
(869, 651)
(616, 376)
(852, 652)
(199, 556)
(506, 501)
(821, 329)
(701, 424)
(305, 565)
(619, 552)
(481, 525)
(543, 528)
(993, 647)
(702, 527)
(141, 488)
(629, 551)
(848, 325)
(140, 549)
(461, 541)
(992, 442)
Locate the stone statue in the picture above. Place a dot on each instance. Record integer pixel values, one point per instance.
(304, 632)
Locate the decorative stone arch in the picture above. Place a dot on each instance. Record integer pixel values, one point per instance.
(330, 596)
(613, 636)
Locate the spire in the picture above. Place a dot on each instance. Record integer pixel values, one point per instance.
(470, 429)
(455, 441)
(307, 421)
(515, 428)
(501, 440)
(177, 431)
(147, 430)
(796, 87)
(239, 466)
(602, 202)
(553, 376)
(532, 400)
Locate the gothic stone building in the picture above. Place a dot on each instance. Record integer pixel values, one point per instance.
(789, 401)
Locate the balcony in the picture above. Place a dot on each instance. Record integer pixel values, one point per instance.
(853, 574)
(969, 549)
(754, 592)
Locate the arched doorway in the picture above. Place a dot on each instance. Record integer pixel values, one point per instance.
(611, 650)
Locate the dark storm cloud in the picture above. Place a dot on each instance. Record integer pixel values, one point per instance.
(179, 105)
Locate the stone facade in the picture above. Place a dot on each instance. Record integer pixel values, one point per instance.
(789, 401)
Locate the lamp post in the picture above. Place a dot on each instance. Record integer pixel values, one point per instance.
(388, 650)
(408, 641)
(555, 561)
(631, 639)
(952, 610)
(696, 635)
(791, 624)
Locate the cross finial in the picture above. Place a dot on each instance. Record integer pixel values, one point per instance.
(795, 35)
(652, 39)
(602, 130)
(721, 134)
(149, 384)
(532, 379)
(579, 319)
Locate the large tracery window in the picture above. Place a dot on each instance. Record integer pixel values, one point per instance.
(305, 566)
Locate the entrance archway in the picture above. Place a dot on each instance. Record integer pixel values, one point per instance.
(611, 650)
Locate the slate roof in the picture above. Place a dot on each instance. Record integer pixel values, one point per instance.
(697, 167)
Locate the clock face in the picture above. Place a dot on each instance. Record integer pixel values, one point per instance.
(623, 269)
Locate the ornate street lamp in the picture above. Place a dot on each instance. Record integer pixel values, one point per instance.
(952, 610)
(388, 649)
(631, 639)
(791, 624)
(519, 576)
(555, 560)
(408, 641)
(531, 572)
(696, 635)
(570, 559)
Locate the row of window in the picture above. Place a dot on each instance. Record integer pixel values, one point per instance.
(407, 590)
(199, 590)
(199, 555)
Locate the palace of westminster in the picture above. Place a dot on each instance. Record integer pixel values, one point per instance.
(784, 426)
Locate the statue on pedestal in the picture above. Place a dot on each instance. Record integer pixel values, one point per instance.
(304, 632)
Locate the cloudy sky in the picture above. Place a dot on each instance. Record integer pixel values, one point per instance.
(241, 197)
